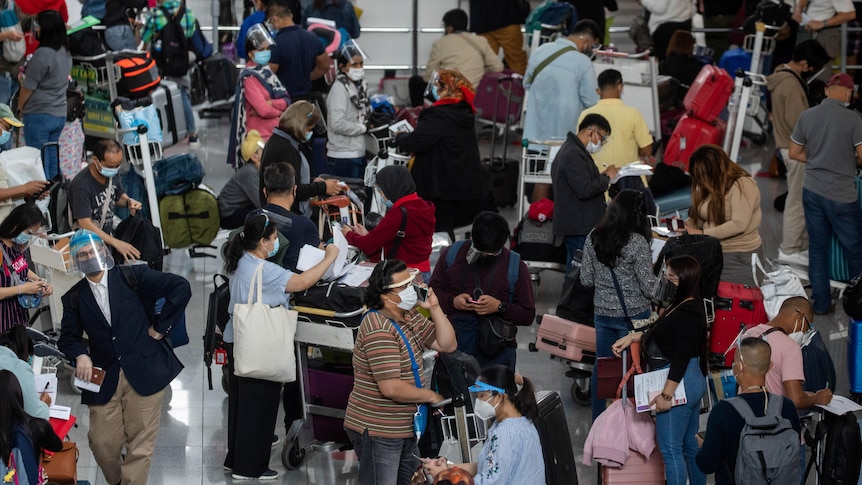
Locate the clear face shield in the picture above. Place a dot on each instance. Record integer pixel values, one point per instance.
(664, 289)
(480, 394)
(260, 36)
(432, 87)
(349, 51)
(90, 254)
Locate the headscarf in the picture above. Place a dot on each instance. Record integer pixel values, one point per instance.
(275, 90)
(395, 181)
(457, 86)
(454, 476)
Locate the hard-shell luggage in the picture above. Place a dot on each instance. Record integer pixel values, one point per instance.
(637, 470)
(535, 241)
(838, 268)
(329, 387)
(189, 218)
(503, 179)
(566, 339)
(736, 307)
(177, 174)
(168, 101)
(854, 355)
(220, 75)
(709, 93)
(503, 174)
(689, 135)
(139, 75)
(553, 431)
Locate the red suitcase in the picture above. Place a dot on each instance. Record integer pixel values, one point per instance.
(709, 93)
(736, 307)
(690, 134)
(566, 339)
(636, 470)
(506, 107)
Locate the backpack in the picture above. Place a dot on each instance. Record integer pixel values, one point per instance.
(139, 75)
(852, 298)
(536, 241)
(14, 469)
(217, 318)
(576, 300)
(170, 48)
(841, 456)
(635, 183)
(13, 50)
(705, 249)
(817, 365)
(144, 236)
(59, 209)
(511, 274)
(177, 174)
(768, 446)
(190, 218)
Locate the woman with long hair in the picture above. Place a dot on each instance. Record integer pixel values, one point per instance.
(20, 431)
(16, 352)
(42, 98)
(512, 453)
(725, 204)
(253, 403)
(677, 341)
(16, 278)
(618, 263)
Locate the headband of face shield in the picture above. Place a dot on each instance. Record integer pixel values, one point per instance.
(348, 51)
(90, 254)
(664, 290)
(259, 36)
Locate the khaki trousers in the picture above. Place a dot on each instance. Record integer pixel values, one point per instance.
(511, 40)
(794, 237)
(129, 420)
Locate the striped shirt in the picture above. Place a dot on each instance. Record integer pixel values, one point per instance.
(11, 313)
(379, 354)
(157, 21)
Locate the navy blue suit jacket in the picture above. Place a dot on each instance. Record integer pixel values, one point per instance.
(149, 365)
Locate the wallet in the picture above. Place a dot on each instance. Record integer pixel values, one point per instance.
(98, 376)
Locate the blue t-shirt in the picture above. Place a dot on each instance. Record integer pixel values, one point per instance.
(275, 278)
(295, 51)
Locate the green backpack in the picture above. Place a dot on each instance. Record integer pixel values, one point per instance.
(190, 218)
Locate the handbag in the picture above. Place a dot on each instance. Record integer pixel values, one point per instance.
(61, 467)
(651, 354)
(777, 286)
(636, 323)
(495, 332)
(639, 33)
(610, 376)
(263, 337)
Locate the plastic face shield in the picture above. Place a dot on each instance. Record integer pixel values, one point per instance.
(90, 253)
(480, 387)
(260, 37)
(664, 289)
(429, 89)
(350, 50)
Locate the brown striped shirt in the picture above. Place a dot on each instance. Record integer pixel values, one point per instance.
(379, 354)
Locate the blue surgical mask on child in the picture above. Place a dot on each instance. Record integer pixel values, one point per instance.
(5, 136)
(262, 57)
(275, 247)
(22, 238)
(434, 92)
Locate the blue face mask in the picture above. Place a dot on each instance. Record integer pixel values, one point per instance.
(262, 57)
(5, 136)
(275, 247)
(434, 92)
(309, 135)
(22, 238)
(108, 172)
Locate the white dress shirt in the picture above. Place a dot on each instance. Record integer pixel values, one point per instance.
(100, 292)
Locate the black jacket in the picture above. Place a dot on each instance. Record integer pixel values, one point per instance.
(448, 165)
(579, 189)
(280, 148)
(488, 15)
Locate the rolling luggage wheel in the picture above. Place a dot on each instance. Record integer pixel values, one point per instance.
(225, 380)
(581, 395)
(292, 455)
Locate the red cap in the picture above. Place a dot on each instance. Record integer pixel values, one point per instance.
(841, 79)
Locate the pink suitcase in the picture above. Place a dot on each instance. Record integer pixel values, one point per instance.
(709, 93)
(500, 96)
(566, 339)
(690, 134)
(636, 470)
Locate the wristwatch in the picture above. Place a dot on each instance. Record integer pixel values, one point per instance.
(501, 308)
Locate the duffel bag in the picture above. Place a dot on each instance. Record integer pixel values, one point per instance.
(189, 218)
(177, 174)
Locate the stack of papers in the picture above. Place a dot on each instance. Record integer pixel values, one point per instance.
(635, 169)
(840, 405)
(310, 256)
(650, 385)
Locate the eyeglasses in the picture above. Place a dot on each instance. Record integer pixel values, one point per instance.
(603, 138)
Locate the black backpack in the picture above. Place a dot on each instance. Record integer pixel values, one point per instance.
(145, 237)
(170, 47)
(452, 377)
(817, 365)
(705, 249)
(852, 298)
(576, 300)
(842, 455)
(635, 183)
(217, 317)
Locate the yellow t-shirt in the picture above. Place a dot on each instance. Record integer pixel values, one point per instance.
(628, 133)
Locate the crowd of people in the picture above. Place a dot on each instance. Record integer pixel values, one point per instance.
(288, 115)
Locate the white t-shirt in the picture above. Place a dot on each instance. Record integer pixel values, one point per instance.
(821, 10)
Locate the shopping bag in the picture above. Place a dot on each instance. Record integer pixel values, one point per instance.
(777, 286)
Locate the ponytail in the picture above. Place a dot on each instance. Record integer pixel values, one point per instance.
(504, 378)
(256, 227)
(525, 401)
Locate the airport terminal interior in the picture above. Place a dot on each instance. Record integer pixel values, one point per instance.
(192, 439)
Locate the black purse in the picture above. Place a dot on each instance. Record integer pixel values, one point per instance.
(651, 354)
(495, 334)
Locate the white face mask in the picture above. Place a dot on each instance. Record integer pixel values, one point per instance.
(409, 298)
(484, 410)
(356, 73)
(594, 147)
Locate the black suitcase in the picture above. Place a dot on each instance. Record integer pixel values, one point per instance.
(536, 241)
(198, 91)
(503, 174)
(553, 430)
(220, 75)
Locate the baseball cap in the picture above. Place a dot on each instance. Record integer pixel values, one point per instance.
(7, 115)
(841, 79)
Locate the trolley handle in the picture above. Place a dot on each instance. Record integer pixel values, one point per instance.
(641, 55)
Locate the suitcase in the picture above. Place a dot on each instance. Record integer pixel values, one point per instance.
(167, 98)
(503, 178)
(490, 106)
(190, 218)
(553, 431)
(854, 355)
(139, 74)
(709, 93)
(838, 268)
(566, 339)
(734, 59)
(636, 470)
(220, 75)
(198, 89)
(736, 307)
(536, 241)
(329, 388)
(503, 174)
(689, 135)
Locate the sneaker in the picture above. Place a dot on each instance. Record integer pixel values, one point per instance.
(194, 142)
(800, 258)
(227, 468)
(275, 440)
(267, 475)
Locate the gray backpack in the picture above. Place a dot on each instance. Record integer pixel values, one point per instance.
(768, 446)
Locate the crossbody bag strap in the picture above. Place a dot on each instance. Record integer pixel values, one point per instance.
(106, 204)
(7, 263)
(542, 65)
(399, 235)
(620, 294)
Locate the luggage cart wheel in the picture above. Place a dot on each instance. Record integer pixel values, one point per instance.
(292, 455)
(581, 396)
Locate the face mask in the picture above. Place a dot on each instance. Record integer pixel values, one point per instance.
(594, 148)
(262, 57)
(275, 246)
(356, 73)
(309, 135)
(90, 266)
(484, 410)
(434, 92)
(5, 136)
(408, 298)
(108, 172)
(22, 238)
(798, 337)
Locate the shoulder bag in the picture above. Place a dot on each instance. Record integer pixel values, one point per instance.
(636, 323)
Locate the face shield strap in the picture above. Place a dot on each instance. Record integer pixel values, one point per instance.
(398, 284)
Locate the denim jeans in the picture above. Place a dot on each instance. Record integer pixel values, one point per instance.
(8, 87)
(823, 217)
(119, 37)
(573, 243)
(384, 461)
(608, 331)
(40, 129)
(96, 8)
(187, 109)
(346, 167)
(676, 430)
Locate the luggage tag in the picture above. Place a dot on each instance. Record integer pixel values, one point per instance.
(220, 356)
(420, 420)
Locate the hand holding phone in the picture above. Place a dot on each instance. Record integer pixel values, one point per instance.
(421, 292)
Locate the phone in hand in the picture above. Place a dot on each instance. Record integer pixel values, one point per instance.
(470, 300)
(47, 188)
(421, 292)
(675, 224)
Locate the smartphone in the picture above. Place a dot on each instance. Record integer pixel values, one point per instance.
(470, 300)
(47, 188)
(421, 292)
(674, 224)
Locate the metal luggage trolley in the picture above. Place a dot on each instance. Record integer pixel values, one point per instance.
(323, 330)
(97, 76)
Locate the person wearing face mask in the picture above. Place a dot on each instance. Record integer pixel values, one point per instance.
(828, 140)
(261, 98)
(95, 192)
(562, 82)
(479, 283)
(127, 340)
(239, 196)
(512, 453)
(379, 420)
(253, 403)
(348, 109)
(8, 121)
(17, 278)
(577, 184)
(289, 143)
(789, 93)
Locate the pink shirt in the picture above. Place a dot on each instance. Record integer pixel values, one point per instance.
(261, 112)
(786, 359)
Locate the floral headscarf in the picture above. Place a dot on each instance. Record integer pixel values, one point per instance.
(457, 86)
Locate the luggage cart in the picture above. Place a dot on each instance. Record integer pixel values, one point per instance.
(379, 142)
(640, 78)
(323, 330)
(54, 261)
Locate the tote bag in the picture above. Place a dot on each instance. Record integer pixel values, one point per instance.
(263, 337)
